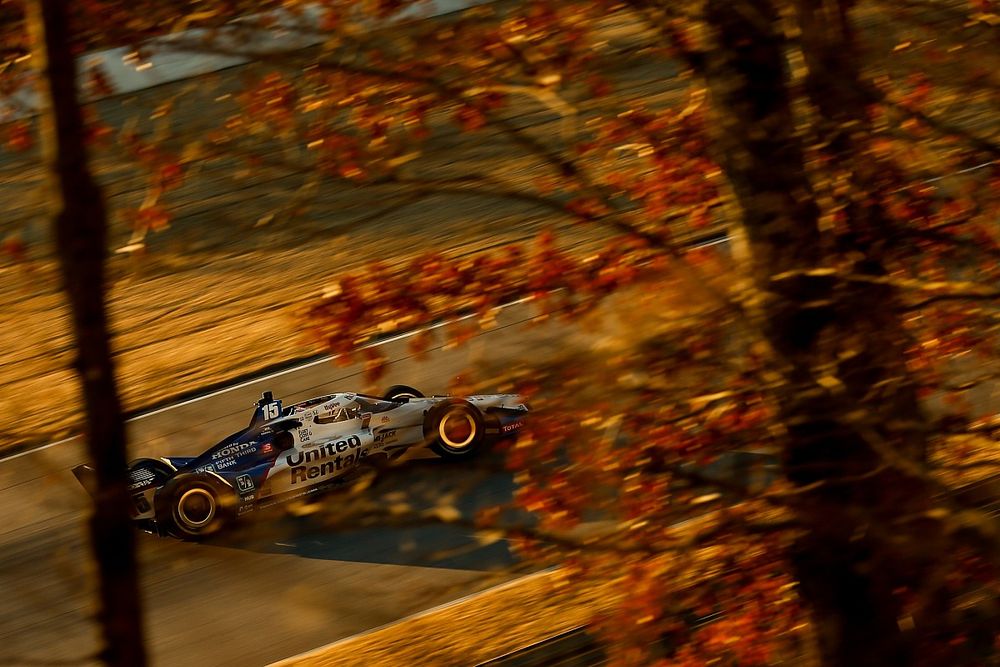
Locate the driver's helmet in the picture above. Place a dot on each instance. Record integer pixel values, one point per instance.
(338, 411)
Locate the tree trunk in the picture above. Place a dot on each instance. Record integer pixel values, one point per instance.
(848, 408)
(81, 243)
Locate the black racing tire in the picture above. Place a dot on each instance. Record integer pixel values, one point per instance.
(401, 391)
(455, 430)
(194, 507)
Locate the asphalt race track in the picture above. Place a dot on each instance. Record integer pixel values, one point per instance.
(282, 586)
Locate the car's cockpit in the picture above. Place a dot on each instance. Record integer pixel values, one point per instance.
(329, 409)
(338, 414)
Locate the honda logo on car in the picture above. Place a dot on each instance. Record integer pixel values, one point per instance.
(330, 450)
(234, 449)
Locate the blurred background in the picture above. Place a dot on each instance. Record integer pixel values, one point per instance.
(740, 257)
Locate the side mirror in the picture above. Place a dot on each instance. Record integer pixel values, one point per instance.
(366, 419)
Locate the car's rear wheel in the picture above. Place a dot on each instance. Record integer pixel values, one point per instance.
(456, 430)
(196, 506)
(400, 392)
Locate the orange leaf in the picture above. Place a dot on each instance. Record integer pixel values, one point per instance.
(19, 137)
(14, 246)
(469, 118)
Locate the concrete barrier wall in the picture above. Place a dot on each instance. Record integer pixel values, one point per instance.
(166, 64)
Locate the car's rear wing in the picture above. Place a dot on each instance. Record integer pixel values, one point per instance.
(87, 477)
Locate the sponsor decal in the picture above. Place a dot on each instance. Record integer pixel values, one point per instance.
(235, 449)
(385, 437)
(386, 419)
(266, 448)
(335, 456)
(205, 468)
(225, 463)
(513, 426)
(244, 483)
(271, 410)
(305, 434)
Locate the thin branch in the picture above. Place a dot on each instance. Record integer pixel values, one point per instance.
(974, 465)
(946, 289)
(939, 126)
(648, 11)
(955, 296)
(942, 237)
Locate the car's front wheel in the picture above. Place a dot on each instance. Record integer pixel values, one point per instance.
(456, 430)
(196, 506)
(401, 392)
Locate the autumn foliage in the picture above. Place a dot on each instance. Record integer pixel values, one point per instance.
(846, 338)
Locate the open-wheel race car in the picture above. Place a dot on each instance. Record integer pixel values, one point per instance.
(288, 452)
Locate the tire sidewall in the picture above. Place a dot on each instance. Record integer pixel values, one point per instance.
(175, 491)
(440, 413)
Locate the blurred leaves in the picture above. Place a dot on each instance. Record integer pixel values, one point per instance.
(633, 440)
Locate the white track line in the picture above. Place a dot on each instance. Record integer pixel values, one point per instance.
(269, 376)
(299, 367)
(329, 358)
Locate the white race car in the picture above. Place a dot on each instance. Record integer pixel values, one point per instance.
(287, 452)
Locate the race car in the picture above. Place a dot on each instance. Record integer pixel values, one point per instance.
(311, 446)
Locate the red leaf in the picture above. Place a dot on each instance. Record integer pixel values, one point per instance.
(376, 365)
(598, 86)
(153, 218)
(170, 175)
(99, 83)
(331, 20)
(19, 137)
(469, 118)
(14, 246)
(700, 217)
(351, 171)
